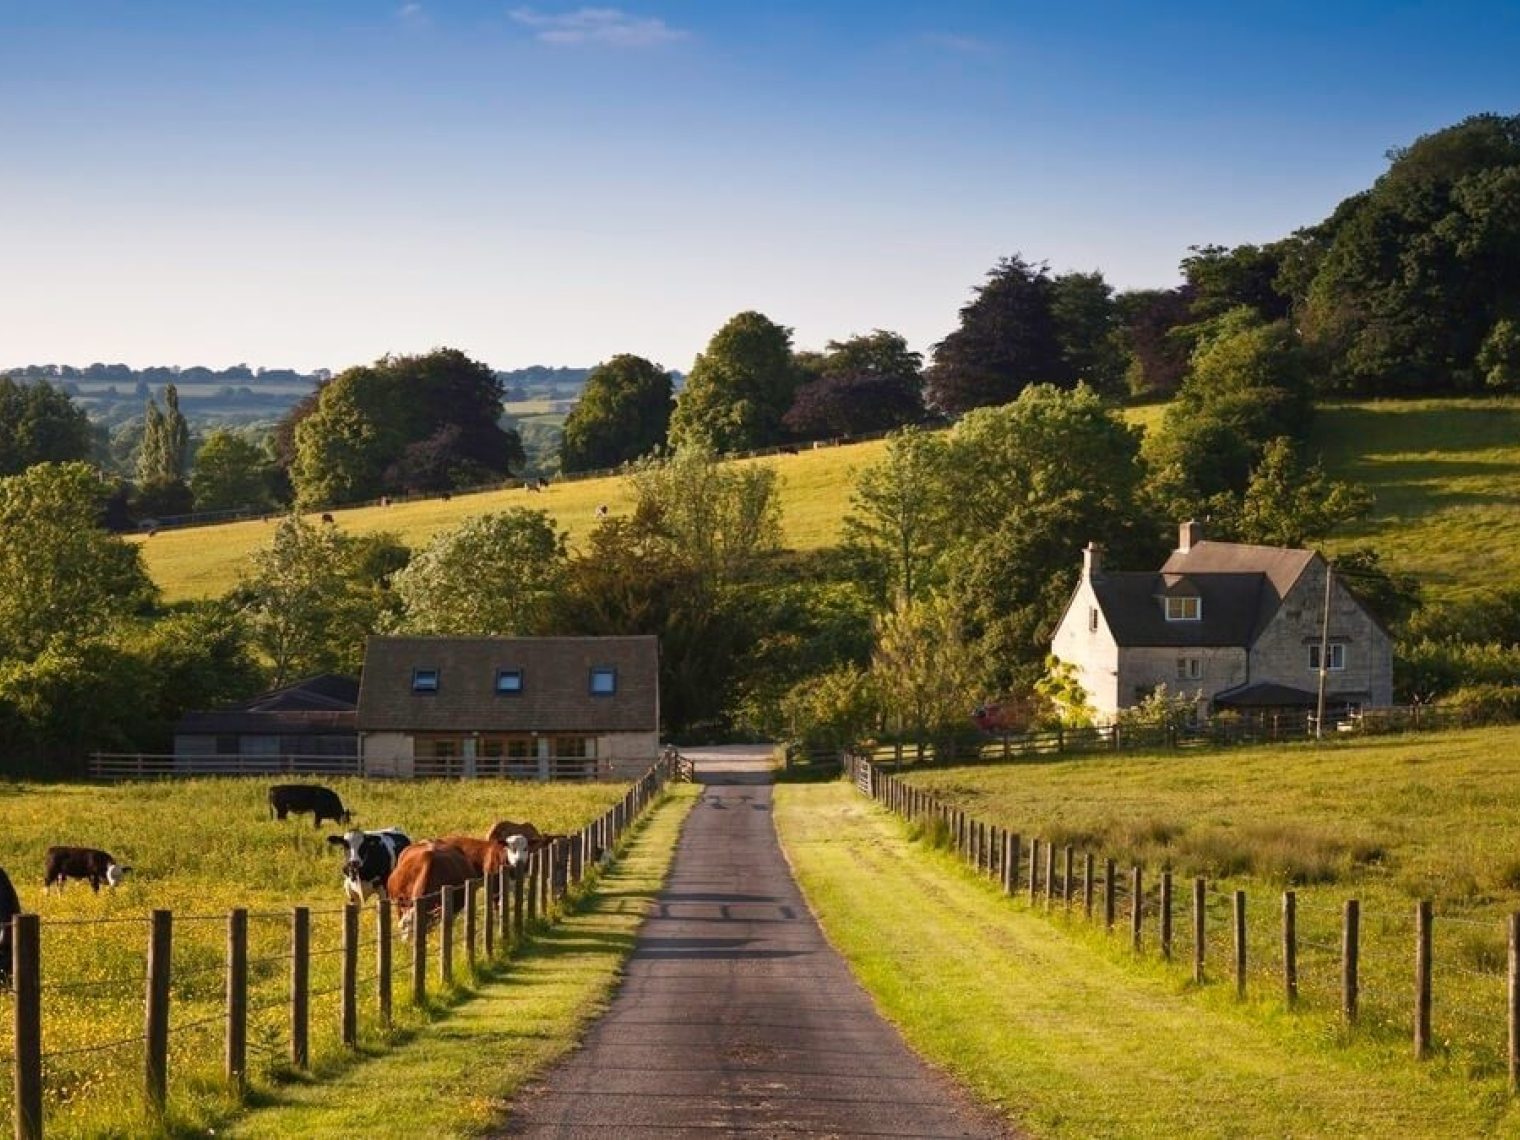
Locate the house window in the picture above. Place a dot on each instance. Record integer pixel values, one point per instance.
(603, 681)
(424, 680)
(1188, 608)
(509, 681)
(1092, 619)
(572, 747)
(1337, 657)
(1189, 668)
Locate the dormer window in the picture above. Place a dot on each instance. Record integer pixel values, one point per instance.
(1188, 607)
(425, 680)
(509, 681)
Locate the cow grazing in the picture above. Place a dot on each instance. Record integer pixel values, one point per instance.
(10, 907)
(323, 803)
(90, 863)
(502, 829)
(424, 871)
(371, 858)
(486, 856)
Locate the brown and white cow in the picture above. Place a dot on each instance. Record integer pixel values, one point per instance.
(88, 863)
(423, 872)
(487, 856)
(504, 829)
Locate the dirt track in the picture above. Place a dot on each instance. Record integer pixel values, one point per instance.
(736, 1017)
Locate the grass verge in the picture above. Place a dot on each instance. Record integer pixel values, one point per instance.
(1068, 1034)
(458, 1076)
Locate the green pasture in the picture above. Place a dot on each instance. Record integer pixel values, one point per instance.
(1445, 473)
(1070, 1034)
(201, 848)
(1387, 821)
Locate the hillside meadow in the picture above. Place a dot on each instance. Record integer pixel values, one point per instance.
(200, 848)
(1445, 473)
(1386, 820)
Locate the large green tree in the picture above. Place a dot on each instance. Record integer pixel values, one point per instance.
(928, 670)
(1006, 341)
(62, 577)
(623, 413)
(1419, 270)
(314, 594)
(865, 384)
(404, 423)
(899, 511)
(162, 456)
(39, 424)
(493, 575)
(739, 388)
(1087, 321)
(231, 471)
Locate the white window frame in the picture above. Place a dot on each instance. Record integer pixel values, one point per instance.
(1189, 668)
(1337, 655)
(1181, 610)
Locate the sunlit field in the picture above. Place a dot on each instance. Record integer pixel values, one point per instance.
(201, 848)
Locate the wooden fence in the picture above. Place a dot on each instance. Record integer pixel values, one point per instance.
(1218, 731)
(1082, 883)
(500, 912)
(147, 766)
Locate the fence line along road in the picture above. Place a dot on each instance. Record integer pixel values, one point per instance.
(500, 912)
(995, 851)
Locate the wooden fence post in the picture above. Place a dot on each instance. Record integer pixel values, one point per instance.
(446, 937)
(1166, 915)
(489, 930)
(156, 1023)
(1290, 947)
(419, 951)
(1422, 963)
(300, 986)
(471, 933)
(383, 959)
(1066, 879)
(1200, 927)
(1110, 890)
(235, 1057)
(1350, 959)
(348, 1002)
(519, 885)
(1011, 872)
(1034, 871)
(26, 977)
(532, 886)
(1240, 943)
(1136, 908)
(1087, 885)
(1050, 873)
(1514, 1003)
(504, 904)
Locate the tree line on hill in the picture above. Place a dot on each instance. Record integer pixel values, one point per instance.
(1009, 452)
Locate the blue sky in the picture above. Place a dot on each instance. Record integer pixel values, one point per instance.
(315, 184)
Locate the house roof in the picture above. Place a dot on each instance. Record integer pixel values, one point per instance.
(1270, 694)
(1131, 604)
(1281, 566)
(556, 692)
(321, 704)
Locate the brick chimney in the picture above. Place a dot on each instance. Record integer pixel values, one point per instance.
(1189, 535)
(1092, 561)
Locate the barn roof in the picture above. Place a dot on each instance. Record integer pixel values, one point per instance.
(321, 704)
(555, 691)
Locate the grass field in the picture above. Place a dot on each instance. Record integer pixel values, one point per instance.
(1385, 820)
(1069, 1034)
(1443, 471)
(200, 848)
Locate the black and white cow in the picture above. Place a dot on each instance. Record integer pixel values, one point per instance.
(372, 857)
(10, 907)
(89, 863)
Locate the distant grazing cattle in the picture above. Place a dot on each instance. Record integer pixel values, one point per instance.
(372, 857)
(327, 518)
(486, 856)
(10, 907)
(423, 872)
(323, 803)
(82, 863)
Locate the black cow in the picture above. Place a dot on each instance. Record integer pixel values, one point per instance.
(323, 803)
(372, 857)
(91, 863)
(10, 907)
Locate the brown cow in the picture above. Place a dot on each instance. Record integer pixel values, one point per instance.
(424, 871)
(502, 829)
(486, 856)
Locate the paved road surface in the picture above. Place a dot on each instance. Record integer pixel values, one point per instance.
(735, 1016)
